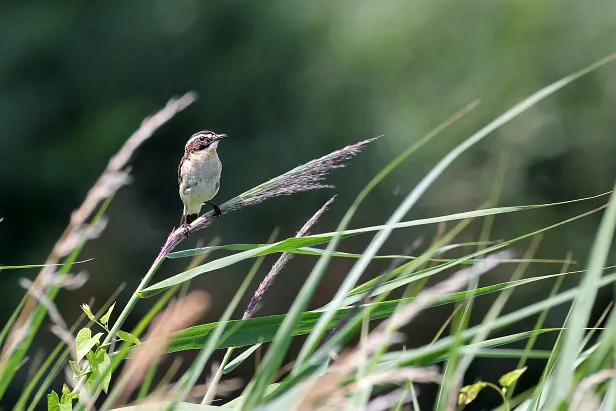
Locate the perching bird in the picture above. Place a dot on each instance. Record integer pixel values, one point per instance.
(199, 174)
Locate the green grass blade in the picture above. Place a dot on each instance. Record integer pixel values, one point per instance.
(288, 245)
(273, 358)
(410, 277)
(293, 244)
(263, 329)
(563, 377)
(7, 370)
(413, 197)
(9, 324)
(21, 267)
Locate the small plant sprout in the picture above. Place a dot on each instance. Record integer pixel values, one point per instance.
(91, 361)
(468, 393)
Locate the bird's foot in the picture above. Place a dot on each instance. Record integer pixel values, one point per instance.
(186, 228)
(217, 212)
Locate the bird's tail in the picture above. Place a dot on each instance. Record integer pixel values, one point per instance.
(188, 219)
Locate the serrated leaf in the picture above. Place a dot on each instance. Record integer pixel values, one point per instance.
(85, 342)
(105, 318)
(468, 393)
(128, 337)
(88, 312)
(512, 376)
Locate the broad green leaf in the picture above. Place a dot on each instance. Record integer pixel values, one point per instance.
(85, 342)
(67, 401)
(53, 401)
(105, 318)
(181, 340)
(263, 329)
(512, 376)
(55, 404)
(128, 337)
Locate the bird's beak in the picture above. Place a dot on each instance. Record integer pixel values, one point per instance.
(220, 136)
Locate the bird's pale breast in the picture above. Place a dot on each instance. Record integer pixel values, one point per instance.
(200, 179)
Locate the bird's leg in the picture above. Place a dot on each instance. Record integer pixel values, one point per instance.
(217, 212)
(184, 223)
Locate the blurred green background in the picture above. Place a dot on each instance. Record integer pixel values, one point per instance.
(289, 81)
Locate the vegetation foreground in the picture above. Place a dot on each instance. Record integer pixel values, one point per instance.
(332, 370)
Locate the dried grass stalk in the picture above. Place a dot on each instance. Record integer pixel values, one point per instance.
(107, 184)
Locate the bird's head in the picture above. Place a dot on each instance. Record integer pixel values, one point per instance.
(203, 140)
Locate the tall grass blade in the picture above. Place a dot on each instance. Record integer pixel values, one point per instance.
(587, 292)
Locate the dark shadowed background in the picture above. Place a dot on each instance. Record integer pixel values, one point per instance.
(289, 81)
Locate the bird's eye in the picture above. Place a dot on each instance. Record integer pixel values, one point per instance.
(202, 138)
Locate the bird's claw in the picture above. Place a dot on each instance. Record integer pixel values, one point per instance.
(217, 212)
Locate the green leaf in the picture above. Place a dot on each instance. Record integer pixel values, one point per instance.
(84, 342)
(99, 362)
(468, 393)
(66, 402)
(65, 389)
(511, 377)
(105, 366)
(53, 401)
(105, 318)
(263, 329)
(75, 368)
(128, 337)
(94, 358)
(251, 330)
(86, 309)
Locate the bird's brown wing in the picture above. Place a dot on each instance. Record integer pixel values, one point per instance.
(180, 169)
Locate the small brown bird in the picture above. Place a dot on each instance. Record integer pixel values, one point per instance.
(199, 174)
